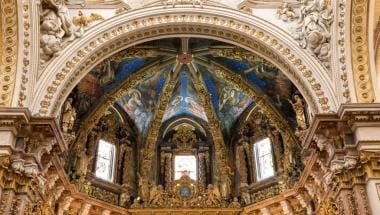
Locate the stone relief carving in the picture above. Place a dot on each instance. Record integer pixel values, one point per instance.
(56, 29)
(313, 26)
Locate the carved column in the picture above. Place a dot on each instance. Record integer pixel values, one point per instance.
(208, 168)
(168, 171)
(241, 165)
(202, 170)
(275, 138)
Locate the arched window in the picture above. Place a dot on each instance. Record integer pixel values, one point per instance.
(105, 161)
(185, 165)
(264, 159)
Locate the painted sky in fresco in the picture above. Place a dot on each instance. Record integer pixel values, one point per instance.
(184, 99)
(141, 100)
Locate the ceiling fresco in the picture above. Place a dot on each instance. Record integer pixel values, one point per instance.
(228, 102)
(184, 99)
(265, 77)
(101, 80)
(140, 101)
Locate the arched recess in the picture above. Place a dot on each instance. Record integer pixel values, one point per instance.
(227, 25)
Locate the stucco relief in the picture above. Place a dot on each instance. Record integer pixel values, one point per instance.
(313, 26)
(56, 29)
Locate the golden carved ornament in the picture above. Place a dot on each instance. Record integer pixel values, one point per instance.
(153, 134)
(360, 52)
(215, 128)
(330, 207)
(26, 66)
(82, 21)
(184, 138)
(8, 51)
(342, 49)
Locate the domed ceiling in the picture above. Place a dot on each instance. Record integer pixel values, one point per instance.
(190, 61)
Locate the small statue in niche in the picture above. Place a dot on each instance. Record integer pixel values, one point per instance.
(225, 182)
(81, 165)
(125, 197)
(213, 196)
(299, 109)
(144, 187)
(68, 116)
(245, 194)
(136, 203)
(157, 196)
(235, 203)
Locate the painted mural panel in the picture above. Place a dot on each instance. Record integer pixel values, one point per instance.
(184, 99)
(267, 78)
(102, 79)
(140, 101)
(229, 102)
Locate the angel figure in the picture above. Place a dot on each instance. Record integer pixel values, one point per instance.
(213, 196)
(82, 21)
(156, 196)
(225, 182)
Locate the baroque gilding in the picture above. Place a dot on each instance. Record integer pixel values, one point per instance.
(9, 50)
(360, 52)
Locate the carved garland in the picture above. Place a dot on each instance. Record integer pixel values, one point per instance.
(8, 52)
(360, 51)
(46, 103)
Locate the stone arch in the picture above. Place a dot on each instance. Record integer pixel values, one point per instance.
(227, 25)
